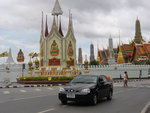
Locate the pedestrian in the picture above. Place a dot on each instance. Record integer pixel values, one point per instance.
(125, 79)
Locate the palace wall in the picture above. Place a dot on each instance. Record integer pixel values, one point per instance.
(15, 70)
(116, 70)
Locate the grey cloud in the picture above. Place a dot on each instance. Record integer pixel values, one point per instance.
(92, 19)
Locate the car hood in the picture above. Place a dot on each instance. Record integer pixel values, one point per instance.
(79, 86)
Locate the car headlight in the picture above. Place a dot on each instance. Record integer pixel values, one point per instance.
(87, 90)
(61, 89)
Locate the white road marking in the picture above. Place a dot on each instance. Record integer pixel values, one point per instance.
(6, 92)
(23, 91)
(37, 89)
(117, 92)
(50, 88)
(24, 98)
(47, 110)
(145, 109)
(132, 89)
(63, 106)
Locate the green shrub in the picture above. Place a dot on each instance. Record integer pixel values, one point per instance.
(47, 78)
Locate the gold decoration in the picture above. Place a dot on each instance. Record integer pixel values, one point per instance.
(30, 65)
(70, 49)
(20, 57)
(54, 49)
(36, 64)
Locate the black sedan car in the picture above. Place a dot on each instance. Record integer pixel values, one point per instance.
(89, 88)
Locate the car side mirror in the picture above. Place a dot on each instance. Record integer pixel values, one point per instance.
(101, 81)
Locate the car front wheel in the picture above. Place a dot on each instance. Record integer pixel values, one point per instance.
(109, 97)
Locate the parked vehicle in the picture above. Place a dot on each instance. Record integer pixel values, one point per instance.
(89, 88)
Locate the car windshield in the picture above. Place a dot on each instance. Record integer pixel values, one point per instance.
(84, 79)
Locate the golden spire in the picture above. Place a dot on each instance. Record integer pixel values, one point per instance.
(120, 59)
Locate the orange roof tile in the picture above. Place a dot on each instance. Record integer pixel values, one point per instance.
(141, 50)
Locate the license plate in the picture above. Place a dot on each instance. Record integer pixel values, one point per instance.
(70, 95)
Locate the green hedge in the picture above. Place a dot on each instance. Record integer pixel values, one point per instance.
(48, 78)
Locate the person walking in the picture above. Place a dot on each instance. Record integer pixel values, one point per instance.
(125, 79)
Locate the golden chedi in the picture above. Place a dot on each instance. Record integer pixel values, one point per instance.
(20, 57)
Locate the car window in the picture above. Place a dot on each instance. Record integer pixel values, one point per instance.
(104, 78)
(84, 79)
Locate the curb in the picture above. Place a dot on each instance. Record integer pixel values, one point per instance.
(146, 109)
(25, 86)
(50, 85)
(118, 81)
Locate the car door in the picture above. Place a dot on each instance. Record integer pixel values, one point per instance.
(101, 87)
(106, 86)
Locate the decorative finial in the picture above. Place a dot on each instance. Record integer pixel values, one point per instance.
(57, 9)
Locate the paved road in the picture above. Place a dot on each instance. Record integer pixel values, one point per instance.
(44, 100)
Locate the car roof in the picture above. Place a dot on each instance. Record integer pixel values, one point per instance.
(91, 75)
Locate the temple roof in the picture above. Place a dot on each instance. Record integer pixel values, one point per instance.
(141, 51)
(54, 29)
(147, 47)
(127, 49)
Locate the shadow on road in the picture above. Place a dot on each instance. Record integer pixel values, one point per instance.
(87, 104)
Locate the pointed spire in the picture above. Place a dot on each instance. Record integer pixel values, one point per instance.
(46, 28)
(138, 35)
(57, 9)
(70, 25)
(137, 29)
(10, 58)
(54, 26)
(120, 58)
(119, 39)
(60, 29)
(42, 26)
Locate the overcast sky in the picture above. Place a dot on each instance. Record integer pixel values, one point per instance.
(94, 21)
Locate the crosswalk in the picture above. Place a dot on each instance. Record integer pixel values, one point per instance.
(6, 91)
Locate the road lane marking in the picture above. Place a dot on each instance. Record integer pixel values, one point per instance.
(6, 92)
(23, 91)
(132, 89)
(118, 92)
(25, 98)
(63, 106)
(47, 110)
(145, 109)
(37, 89)
(50, 88)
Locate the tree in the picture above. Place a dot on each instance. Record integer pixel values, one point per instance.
(94, 62)
(136, 62)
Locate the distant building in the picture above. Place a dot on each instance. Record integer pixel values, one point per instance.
(111, 59)
(137, 50)
(80, 58)
(10, 59)
(92, 58)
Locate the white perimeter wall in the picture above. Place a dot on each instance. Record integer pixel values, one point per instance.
(113, 70)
